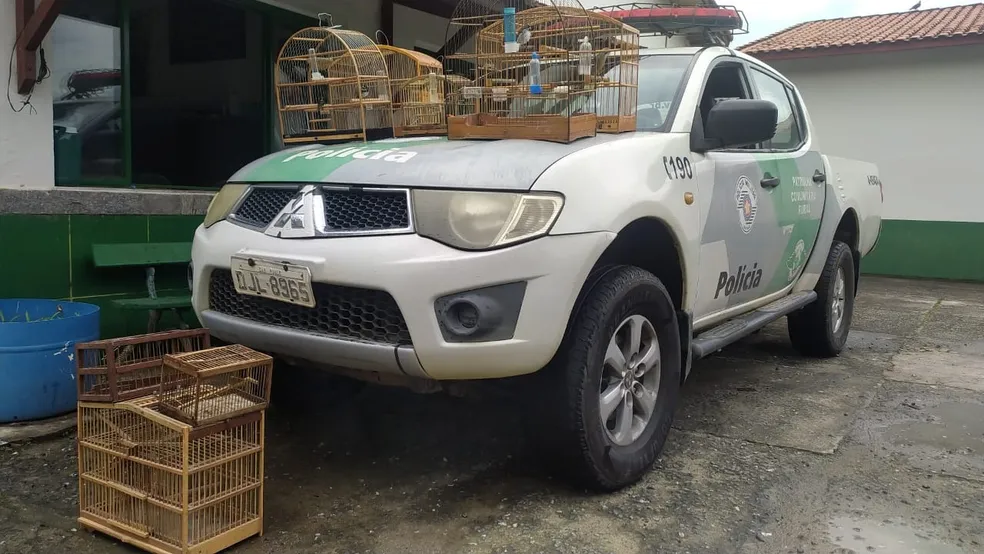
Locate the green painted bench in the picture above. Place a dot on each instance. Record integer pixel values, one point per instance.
(148, 256)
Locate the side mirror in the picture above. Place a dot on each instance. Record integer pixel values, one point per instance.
(737, 122)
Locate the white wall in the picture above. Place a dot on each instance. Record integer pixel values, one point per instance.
(26, 148)
(918, 114)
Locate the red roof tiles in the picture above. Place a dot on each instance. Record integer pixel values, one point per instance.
(913, 29)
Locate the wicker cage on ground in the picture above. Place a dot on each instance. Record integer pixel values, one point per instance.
(531, 65)
(332, 85)
(419, 92)
(164, 486)
(213, 385)
(115, 370)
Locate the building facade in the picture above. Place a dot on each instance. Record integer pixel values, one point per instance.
(142, 109)
(902, 91)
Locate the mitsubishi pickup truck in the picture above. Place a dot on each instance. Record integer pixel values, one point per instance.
(595, 273)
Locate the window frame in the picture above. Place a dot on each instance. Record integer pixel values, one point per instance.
(795, 108)
(697, 128)
(270, 16)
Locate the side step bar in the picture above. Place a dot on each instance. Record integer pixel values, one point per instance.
(736, 329)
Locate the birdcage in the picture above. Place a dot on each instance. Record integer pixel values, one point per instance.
(419, 91)
(455, 84)
(213, 385)
(165, 486)
(614, 62)
(531, 70)
(332, 85)
(115, 370)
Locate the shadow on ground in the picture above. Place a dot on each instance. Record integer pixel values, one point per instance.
(877, 451)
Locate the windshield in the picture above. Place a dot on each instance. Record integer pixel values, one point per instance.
(660, 77)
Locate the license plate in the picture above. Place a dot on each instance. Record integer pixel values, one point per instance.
(278, 281)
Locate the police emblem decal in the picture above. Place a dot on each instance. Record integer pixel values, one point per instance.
(747, 204)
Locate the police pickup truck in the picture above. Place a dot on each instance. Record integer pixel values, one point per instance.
(594, 272)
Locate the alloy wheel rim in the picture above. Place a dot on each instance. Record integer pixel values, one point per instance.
(630, 380)
(838, 301)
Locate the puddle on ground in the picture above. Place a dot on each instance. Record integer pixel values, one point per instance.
(954, 426)
(862, 536)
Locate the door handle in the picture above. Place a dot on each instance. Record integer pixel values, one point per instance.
(819, 177)
(769, 181)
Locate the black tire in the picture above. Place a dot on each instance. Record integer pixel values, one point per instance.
(565, 420)
(811, 329)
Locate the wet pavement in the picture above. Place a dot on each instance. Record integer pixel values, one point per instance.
(880, 450)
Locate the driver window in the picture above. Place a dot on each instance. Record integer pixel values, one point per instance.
(726, 81)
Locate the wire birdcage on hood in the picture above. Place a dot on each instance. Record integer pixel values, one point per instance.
(530, 63)
(333, 85)
(615, 72)
(419, 92)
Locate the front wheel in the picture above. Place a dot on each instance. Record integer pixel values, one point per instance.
(821, 328)
(602, 409)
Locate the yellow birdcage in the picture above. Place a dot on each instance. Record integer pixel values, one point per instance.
(615, 68)
(419, 92)
(454, 84)
(165, 486)
(533, 70)
(333, 84)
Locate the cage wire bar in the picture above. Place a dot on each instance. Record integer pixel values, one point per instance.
(209, 386)
(419, 90)
(615, 56)
(165, 486)
(532, 74)
(114, 370)
(333, 85)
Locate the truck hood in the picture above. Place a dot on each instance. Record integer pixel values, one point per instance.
(433, 162)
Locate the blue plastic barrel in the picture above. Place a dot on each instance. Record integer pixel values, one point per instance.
(37, 356)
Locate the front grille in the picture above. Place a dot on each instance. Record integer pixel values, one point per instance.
(363, 210)
(346, 211)
(349, 313)
(263, 204)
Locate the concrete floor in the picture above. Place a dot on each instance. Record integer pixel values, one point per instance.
(881, 450)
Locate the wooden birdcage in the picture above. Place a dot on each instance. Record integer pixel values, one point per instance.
(165, 486)
(114, 370)
(209, 386)
(455, 84)
(532, 73)
(615, 66)
(333, 85)
(419, 92)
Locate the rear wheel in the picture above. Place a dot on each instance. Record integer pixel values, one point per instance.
(603, 408)
(821, 328)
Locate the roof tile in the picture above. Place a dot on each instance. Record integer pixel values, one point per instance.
(905, 27)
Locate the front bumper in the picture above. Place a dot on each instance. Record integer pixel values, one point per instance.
(417, 272)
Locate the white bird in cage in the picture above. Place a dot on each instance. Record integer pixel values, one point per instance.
(524, 36)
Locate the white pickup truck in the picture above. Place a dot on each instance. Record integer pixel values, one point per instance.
(599, 270)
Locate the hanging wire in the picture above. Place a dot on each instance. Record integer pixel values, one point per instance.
(43, 73)
(386, 38)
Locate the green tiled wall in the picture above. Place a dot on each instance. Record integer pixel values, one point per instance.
(929, 250)
(51, 257)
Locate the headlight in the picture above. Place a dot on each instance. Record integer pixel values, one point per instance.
(222, 203)
(482, 220)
